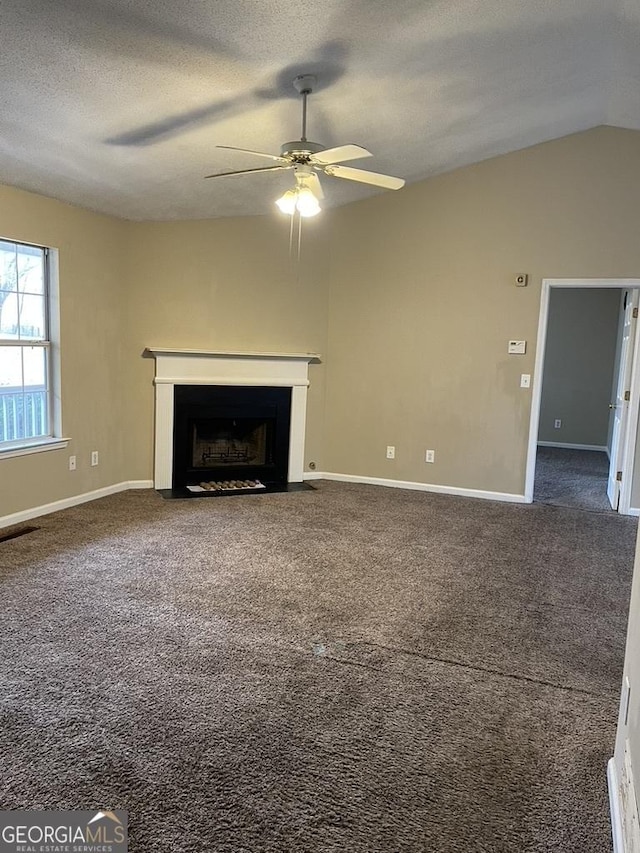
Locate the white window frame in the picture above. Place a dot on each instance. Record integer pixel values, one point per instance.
(53, 440)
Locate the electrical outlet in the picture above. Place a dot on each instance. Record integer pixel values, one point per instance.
(94, 458)
(391, 451)
(525, 380)
(557, 423)
(72, 463)
(430, 456)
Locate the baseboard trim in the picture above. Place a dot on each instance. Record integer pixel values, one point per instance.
(614, 808)
(74, 500)
(419, 487)
(633, 510)
(602, 448)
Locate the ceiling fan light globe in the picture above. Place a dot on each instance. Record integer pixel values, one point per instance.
(287, 202)
(307, 207)
(309, 211)
(307, 203)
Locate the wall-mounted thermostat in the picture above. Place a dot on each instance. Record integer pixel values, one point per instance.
(517, 347)
(522, 279)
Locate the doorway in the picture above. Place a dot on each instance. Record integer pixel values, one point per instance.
(582, 437)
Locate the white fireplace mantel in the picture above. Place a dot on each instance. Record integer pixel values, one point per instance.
(212, 353)
(208, 367)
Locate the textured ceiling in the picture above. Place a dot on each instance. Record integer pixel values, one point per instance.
(117, 105)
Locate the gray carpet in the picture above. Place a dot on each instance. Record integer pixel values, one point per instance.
(575, 478)
(349, 669)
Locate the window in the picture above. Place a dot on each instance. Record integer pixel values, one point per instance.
(25, 345)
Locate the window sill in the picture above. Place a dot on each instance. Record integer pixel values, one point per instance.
(36, 447)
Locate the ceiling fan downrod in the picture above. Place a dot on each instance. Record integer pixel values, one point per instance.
(303, 84)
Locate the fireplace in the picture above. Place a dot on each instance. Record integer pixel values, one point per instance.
(207, 369)
(228, 433)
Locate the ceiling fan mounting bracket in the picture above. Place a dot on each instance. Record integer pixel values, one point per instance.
(304, 83)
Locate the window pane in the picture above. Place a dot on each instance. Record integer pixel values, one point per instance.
(11, 394)
(8, 315)
(32, 318)
(35, 367)
(11, 416)
(23, 407)
(36, 416)
(10, 369)
(30, 269)
(8, 266)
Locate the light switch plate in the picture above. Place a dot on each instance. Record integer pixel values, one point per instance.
(517, 347)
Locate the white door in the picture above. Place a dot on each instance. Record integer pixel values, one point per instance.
(621, 402)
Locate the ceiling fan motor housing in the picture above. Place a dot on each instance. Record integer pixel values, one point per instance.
(300, 148)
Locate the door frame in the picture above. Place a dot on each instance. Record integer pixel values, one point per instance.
(619, 406)
(624, 507)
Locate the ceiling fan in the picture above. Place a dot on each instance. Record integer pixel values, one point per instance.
(307, 158)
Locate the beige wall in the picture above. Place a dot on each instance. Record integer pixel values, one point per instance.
(92, 309)
(423, 303)
(578, 365)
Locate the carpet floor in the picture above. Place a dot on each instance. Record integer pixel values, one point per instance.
(575, 478)
(351, 669)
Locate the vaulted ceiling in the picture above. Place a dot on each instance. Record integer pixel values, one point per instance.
(118, 105)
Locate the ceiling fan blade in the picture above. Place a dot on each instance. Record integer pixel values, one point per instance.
(340, 154)
(257, 153)
(249, 171)
(313, 182)
(364, 177)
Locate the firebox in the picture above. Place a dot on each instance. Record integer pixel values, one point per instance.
(224, 432)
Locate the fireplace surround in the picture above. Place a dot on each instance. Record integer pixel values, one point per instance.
(228, 432)
(181, 368)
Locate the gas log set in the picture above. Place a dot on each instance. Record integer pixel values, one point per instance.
(227, 485)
